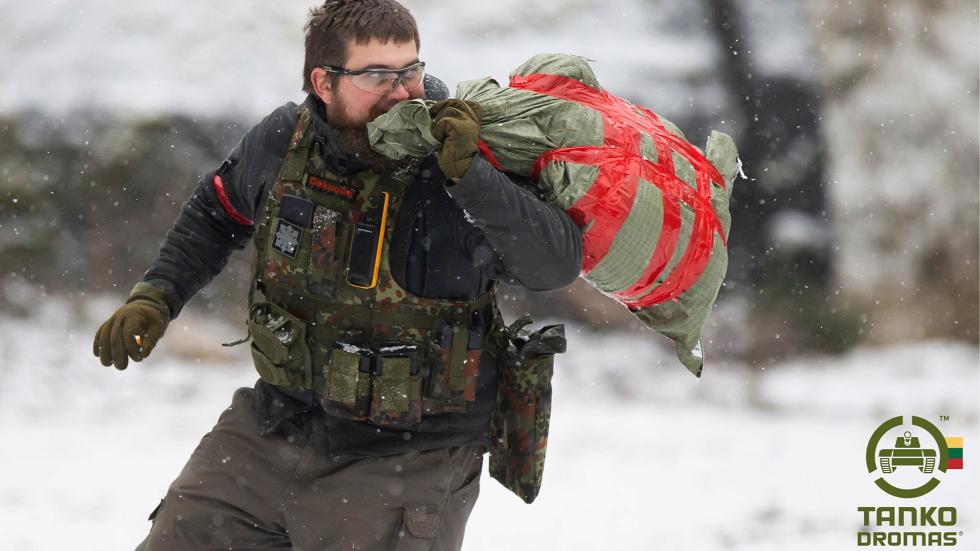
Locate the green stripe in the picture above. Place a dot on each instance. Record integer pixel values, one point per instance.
(956, 453)
(634, 243)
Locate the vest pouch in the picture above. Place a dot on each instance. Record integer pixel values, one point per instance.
(522, 412)
(396, 400)
(453, 353)
(288, 243)
(279, 348)
(326, 250)
(348, 382)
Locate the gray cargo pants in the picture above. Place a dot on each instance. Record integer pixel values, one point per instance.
(240, 490)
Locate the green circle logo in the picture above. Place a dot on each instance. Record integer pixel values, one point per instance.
(907, 452)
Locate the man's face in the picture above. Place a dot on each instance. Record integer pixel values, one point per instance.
(351, 107)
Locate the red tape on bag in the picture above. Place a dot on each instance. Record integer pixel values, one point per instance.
(621, 166)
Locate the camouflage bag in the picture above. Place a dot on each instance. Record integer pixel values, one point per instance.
(522, 413)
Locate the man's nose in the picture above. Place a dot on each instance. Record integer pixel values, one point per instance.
(400, 92)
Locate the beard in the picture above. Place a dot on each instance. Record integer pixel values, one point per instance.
(354, 134)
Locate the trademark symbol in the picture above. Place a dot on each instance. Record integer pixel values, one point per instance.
(944, 417)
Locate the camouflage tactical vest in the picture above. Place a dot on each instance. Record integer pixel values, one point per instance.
(334, 320)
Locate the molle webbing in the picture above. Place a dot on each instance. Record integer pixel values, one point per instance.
(375, 353)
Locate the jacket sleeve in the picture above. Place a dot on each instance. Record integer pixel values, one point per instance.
(535, 243)
(219, 216)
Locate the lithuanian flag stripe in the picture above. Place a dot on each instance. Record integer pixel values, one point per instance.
(955, 445)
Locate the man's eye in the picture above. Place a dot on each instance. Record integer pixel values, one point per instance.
(377, 76)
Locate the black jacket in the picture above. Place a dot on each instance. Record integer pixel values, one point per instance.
(449, 241)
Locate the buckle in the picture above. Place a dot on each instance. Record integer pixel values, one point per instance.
(365, 355)
(396, 350)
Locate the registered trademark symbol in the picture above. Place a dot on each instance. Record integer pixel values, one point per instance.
(944, 417)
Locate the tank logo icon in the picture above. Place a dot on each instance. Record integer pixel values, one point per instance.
(909, 454)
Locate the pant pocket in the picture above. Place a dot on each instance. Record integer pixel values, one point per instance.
(427, 526)
(420, 526)
(279, 348)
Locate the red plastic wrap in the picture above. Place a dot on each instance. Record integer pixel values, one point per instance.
(621, 166)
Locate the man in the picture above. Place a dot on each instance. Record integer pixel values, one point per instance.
(372, 309)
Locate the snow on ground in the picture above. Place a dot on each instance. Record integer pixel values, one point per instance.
(642, 455)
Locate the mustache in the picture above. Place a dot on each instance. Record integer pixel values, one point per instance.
(379, 109)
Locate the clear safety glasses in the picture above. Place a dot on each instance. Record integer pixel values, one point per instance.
(382, 81)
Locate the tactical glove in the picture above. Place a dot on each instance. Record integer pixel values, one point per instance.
(456, 123)
(134, 328)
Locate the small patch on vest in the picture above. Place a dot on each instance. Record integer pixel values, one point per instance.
(330, 187)
(287, 238)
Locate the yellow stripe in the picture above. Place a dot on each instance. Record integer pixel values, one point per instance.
(954, 441)
(381, 239)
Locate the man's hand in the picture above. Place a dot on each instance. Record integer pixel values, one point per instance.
(456, 123)
(134, 329)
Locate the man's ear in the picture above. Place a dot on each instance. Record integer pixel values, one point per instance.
(322, 81)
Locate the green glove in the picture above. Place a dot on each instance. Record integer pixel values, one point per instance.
(134, 328)
(456, 123)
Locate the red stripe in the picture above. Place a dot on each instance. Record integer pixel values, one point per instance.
(219, 189)
(487, 154)
(610, 199)
(955, 463)
(607, 203)
(661, 254)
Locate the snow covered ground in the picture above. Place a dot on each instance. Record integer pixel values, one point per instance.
(642, 455)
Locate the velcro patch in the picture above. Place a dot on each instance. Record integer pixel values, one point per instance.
(330, 187)
(287, 238)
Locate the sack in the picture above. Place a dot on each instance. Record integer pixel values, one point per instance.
(522, 412)
(653, 208)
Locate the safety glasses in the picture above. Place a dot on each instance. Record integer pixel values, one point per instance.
(382, 81)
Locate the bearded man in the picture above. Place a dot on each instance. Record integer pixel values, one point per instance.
(372, 308)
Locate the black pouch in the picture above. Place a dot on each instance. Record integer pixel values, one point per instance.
(279, 347)
(522, 412)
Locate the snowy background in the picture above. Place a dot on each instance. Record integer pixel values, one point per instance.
(766, 452)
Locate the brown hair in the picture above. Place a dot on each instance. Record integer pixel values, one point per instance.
(334, 24)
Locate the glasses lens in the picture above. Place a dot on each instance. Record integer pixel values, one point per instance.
(383, 81)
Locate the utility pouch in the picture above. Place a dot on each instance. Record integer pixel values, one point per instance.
(288, 242)
(279, 348)
(396, 384)
(348, 382)
(325, 255)
(453, 353)
(519, 425)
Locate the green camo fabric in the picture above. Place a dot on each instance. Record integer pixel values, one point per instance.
(518, 126)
